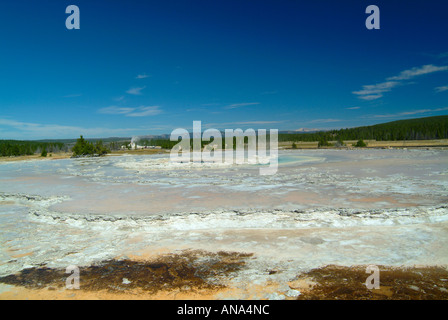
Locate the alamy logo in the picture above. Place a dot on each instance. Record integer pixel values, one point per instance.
(72, 281)
(225, 152)
(73, 20)
(373, 21)
(373, 281)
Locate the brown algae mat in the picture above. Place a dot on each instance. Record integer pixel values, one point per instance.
(200, 274)
(186, 271)
(349, 283)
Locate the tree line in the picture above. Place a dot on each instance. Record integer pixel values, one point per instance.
(10, 148)
(413, 129)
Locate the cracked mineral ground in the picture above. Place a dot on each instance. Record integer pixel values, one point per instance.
(140, 227)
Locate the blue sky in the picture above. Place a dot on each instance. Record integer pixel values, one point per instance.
(148, 67)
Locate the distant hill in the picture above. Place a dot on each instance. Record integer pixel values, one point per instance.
(411, 129)
(301, 130)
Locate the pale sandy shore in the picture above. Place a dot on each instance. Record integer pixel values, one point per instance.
(36, 157)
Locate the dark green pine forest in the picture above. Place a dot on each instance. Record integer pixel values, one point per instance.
(10, 148)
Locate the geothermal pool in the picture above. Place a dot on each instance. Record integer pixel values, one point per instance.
(322, 207)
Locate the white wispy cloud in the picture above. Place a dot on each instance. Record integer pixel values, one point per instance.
(258, 122)
(141, 76)
(115, 110)
(28, 130)
(145, 111)
(142, 111)
(418, 71)
(409, 113)
(353, 108)
(324, 120)
(441, 89)
(228, 125)
(376, 91)
(194, 109)
(238, 105)
(136, 91)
